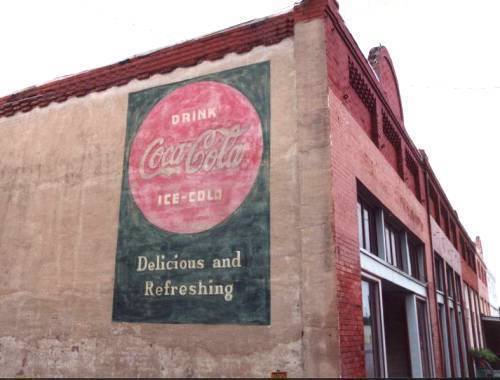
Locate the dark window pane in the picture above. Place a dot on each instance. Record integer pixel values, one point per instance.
(438, 263)
(417, 259)
(458, 288)
(415, 266)
(450, 283)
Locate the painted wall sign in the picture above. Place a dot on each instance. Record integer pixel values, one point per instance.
(193, 239)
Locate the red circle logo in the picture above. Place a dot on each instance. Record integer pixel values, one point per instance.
(195, 157)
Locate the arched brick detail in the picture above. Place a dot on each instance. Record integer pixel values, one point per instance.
(362, 89)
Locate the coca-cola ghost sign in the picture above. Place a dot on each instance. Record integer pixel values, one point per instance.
(194, 227)
(195, 157)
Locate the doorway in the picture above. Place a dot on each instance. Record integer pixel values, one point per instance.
(396, 331)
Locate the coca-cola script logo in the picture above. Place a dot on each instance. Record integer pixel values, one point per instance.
(195, 157)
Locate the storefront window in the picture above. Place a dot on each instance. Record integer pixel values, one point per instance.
(423, 337)
(444, 339)
(371, 329)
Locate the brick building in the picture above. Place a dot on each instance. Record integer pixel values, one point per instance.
(234, 205)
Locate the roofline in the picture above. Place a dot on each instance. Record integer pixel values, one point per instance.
(364, 64)
(440, 189)
(490, 318)
(235, 39)
(238, 39)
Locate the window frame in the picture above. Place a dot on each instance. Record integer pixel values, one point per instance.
(367, 226)
(439, 279)
(382, 234)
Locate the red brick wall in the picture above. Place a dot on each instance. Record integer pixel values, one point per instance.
(469, 276)
(355, 156)
(412, 182)
(390, 152)
(369, 144)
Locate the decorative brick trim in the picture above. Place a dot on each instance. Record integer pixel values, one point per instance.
(365, 94)
(361, 88)
(395, 139)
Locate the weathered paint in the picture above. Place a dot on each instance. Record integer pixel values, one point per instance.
(60, 188)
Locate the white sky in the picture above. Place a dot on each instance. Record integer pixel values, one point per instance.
(445, 54)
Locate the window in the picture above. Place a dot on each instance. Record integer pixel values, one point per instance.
(423, 337)
(438, 264)
(455, 343)
(467, 314)
(371, 326)
(458, 288)
(478, 319)
(450, 282)
(463, 345)
(415, 267)
(367, 232)
(393, 253)
(444, 339)
(382, 234)
(453, 335)
(417, 262)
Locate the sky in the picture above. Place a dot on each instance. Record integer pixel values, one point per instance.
(444, 52)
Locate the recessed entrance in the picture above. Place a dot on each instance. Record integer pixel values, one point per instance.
(396, 331)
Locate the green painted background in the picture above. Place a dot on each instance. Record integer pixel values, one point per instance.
(246, 230)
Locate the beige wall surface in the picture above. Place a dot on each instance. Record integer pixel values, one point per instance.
(60, 183)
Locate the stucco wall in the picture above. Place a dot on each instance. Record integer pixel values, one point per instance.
(443, 246)
(60, 181)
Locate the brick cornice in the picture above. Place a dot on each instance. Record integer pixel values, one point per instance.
(357, 55)
(239, 39)
(441, 194)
